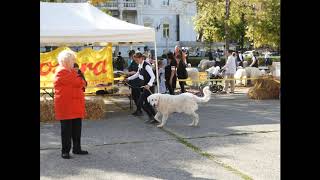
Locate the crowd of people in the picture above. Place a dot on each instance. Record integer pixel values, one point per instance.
(70, 84)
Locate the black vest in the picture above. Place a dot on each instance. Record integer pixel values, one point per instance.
(256, 64)
(143, 72)
(182, 71)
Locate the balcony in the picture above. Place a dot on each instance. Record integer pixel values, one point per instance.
(129, 4)
(110, 5)
(117, 4)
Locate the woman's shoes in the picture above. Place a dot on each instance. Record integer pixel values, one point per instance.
(65, 156)
(81, 152)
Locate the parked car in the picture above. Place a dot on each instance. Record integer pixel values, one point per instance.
(248, 54)
(275, 53)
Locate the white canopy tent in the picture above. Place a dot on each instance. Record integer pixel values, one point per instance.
(80, 23)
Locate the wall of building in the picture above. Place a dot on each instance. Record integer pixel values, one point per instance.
(154, 14)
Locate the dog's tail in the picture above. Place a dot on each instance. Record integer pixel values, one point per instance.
(206, 97)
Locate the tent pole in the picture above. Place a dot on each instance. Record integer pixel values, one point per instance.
(156, 56)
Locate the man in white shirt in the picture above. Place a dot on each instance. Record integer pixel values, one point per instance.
(230, 70)
(267, 58)
(147, 77)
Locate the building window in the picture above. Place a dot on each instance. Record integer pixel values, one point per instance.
(166, 30)
(165, 2)
(147, 2)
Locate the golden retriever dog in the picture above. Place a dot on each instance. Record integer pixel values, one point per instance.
(187, 103)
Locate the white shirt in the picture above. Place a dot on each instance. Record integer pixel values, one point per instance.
(230, 66)
(240, 56)
(267, 55)
(138, 75)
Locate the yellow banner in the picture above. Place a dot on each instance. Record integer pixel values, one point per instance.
(95, 65)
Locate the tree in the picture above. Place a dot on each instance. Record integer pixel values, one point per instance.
(226, 27)
(265, 26)
(97, 2)
(240, 21)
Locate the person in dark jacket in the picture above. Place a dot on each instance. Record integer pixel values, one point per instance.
(119, 63)
(147, 77)
(181, 70)
(171, 73)
(254, 60)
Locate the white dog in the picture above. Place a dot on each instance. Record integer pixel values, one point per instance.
(205, 64)
(193, 74)
(185, 102)
(242, 75)
(253, 72)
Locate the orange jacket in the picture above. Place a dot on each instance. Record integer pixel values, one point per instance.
(69, 102)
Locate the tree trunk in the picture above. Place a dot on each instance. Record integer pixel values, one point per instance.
(243, 32)
(226, 28)
(200, 36)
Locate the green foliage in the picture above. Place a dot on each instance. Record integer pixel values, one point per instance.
(194, 61)
(249, 20)
(265, 26)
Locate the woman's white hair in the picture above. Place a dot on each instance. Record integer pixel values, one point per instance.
(66, 57)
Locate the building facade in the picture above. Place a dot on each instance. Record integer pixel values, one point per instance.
(172, 19)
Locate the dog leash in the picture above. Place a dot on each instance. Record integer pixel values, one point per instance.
(136, 87)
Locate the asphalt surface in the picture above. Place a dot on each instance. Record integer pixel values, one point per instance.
(238, 138)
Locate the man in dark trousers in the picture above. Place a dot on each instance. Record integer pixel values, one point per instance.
(147, 77)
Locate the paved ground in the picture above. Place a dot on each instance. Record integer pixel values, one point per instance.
(238, 138)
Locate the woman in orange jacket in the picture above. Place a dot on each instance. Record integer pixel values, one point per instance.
(69, 103)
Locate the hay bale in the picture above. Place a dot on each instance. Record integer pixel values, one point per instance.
(95, 109)
(46, 110)
(265, 88)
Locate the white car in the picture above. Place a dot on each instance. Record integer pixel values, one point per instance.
(248, 54)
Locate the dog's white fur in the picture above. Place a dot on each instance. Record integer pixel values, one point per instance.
(253, 72)
(242, 75)
(247, 72)
(185, 102)
(205, 64)
(193, 74)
